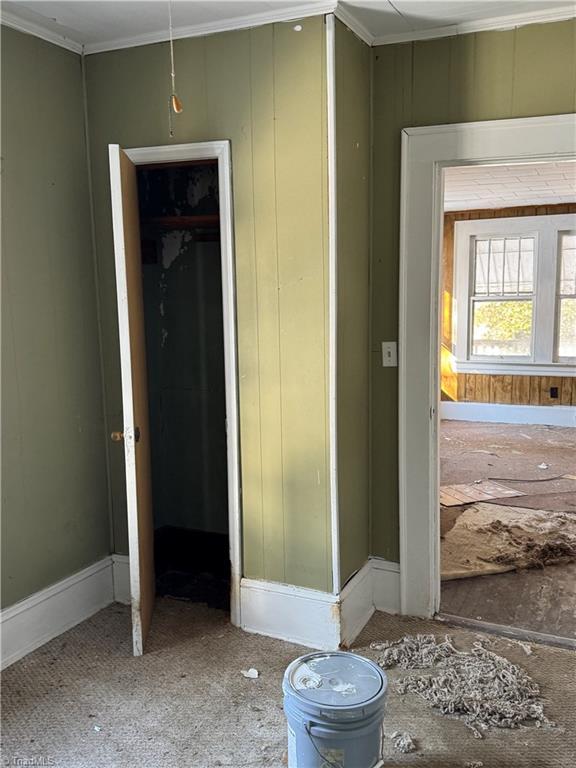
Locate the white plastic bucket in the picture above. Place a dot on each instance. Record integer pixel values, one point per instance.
(334, 704)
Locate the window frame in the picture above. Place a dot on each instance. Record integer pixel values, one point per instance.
(474, 298)
(559, 295)
(546, 231)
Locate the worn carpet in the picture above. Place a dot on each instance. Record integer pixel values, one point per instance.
(82, 701)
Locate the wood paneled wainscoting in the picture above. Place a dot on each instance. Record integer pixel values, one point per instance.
(516, 390)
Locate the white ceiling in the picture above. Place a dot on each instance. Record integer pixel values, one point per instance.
(388, 22)
(504, 186)
(107, 24)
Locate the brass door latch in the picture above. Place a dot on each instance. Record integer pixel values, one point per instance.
(117, 437)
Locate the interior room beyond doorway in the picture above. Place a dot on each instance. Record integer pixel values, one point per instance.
(507, 436)
(541, 598)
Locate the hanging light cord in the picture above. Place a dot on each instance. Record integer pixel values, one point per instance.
(174, 104)
(172, 72)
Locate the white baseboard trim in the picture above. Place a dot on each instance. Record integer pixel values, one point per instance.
(121, 578)
(320, 619)
(386, 585)
(295, 614)
(304, 616)
(550, 415)
(44, 615)
(356, 604)
(307, 617)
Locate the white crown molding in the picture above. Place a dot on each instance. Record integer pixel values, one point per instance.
(344, 15)
(194, 30)
(482, 25)
(318, 8)
(29, 27)
(227, 25)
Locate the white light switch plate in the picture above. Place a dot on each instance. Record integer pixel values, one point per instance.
(389, 354)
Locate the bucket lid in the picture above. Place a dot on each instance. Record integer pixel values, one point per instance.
(336, 679)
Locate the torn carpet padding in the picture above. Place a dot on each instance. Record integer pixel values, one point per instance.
(488, 538)
(478, 686)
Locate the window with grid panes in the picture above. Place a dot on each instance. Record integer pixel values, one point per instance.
(566, 335)
(502, 298)
(515, 292)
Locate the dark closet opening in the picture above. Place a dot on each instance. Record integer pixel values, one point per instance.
(182, 290)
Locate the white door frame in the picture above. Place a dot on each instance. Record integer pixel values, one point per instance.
(220, 151)
(425, 153)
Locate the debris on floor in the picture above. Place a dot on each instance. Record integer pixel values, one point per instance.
(479, 490)
(251, 673)
(491, 538)
(465, 457)
(478, 686)
(551, 502)
(532, 479)
(526, 647)
(403, 742)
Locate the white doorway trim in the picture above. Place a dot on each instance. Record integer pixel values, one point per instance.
(425, 153)
(333, 298)
(220, 151)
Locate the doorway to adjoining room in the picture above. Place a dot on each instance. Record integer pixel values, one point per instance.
(508, 346)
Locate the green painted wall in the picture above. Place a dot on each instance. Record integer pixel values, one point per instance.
(353, 62)
(525, 72)
(54, 488)
(264, 89)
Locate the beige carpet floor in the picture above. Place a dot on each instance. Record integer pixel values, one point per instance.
(82, 700)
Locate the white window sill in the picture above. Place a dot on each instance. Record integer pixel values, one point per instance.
(518, 369)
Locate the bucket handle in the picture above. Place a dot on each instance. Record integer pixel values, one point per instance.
(328, 761)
